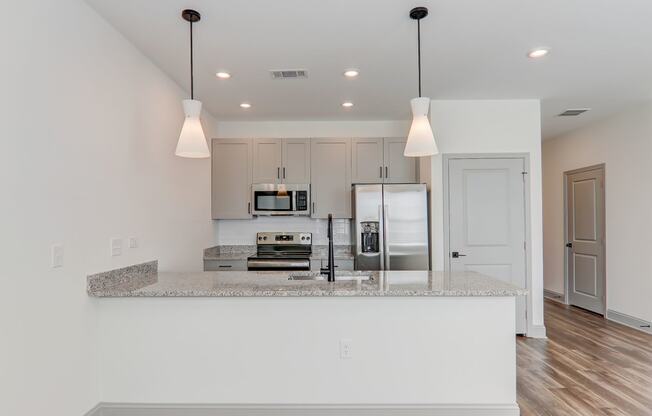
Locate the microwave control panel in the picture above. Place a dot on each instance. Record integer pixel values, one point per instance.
(302, 201)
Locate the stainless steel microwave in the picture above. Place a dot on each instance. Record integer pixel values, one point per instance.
(280, 199)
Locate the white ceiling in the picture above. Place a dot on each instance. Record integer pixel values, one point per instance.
(472, 49)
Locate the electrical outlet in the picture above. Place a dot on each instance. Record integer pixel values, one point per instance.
(346, 349)
(133, 242)
(56, 256)
(116, 247)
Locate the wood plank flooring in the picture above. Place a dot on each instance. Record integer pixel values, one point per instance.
(588, 366)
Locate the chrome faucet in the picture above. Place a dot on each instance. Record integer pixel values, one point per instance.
(330, 269)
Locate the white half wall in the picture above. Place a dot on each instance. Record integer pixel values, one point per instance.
(287, 350)
(89, 128)
(492, 126)
(624, 144)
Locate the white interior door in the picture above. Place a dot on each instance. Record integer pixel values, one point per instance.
(487, 221)
(585, 239)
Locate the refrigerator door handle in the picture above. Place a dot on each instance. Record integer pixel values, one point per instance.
(382, 237)
(385, 233)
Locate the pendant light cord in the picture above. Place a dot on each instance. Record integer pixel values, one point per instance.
(419, 52)
(192, 69)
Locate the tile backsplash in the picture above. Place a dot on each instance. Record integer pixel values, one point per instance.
(236, 232)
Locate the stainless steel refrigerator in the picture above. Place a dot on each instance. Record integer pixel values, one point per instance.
(390, 226)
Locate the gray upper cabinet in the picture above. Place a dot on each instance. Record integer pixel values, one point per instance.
(382, 161)
(367, 161)
(281, 161)
(398, 168)
(231, 169)
(267, 160)
(330, 165)
(296, 161)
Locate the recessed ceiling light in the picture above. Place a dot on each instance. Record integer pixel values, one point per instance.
(351, 73)
(245, 105)
(347, 104)
(538, 53)
(223, 75)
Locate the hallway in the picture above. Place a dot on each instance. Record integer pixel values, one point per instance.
(588, 366)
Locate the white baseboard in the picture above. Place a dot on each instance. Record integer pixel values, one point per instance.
(629, 321)
(552, 295)
(126, 409)
(536, 331)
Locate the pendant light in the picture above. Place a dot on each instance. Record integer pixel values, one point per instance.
(192, 142)
(420, 141)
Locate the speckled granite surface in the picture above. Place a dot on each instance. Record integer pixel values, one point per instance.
(124, 279)
(241, 252)
(270, 284)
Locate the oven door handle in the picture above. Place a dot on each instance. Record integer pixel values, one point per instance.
(277, 264)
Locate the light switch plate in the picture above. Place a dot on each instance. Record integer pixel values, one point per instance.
(116, 247)
(346, 349)
(56, 252)
(133, 242)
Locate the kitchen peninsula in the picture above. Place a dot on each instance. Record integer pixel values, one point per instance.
(403, 341)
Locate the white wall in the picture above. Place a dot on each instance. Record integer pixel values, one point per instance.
(624, 144)
(89, 128)
(244, 231)
(240, 350)
(492, 126)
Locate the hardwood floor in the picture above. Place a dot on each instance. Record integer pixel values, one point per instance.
(587, 366)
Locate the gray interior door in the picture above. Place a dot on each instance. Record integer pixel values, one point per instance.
(487, 221)
(585, 239)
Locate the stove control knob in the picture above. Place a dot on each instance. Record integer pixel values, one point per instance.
(265, 238)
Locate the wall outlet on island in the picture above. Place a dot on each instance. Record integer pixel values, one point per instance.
(346, 348)
(116, 247)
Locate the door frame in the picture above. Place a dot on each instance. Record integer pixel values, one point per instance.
(525, 157)
(566, 174)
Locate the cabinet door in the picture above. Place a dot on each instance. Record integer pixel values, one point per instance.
(330, 166)
(231, 178)
(367, 161)
(296, 161)
(267, 160)
(398, 168)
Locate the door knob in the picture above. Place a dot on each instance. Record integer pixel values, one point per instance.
(456, 254)
(569, 245)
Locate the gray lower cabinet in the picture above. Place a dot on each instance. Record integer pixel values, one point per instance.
(330, 165)
(381, 161)
(231, 170)
(225, 265)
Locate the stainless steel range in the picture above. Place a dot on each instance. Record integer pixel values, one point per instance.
(281, 251)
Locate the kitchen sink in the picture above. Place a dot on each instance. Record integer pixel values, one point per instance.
(339, 275)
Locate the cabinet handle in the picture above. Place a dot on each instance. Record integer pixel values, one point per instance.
(225, 266)
(381, 172)
(278, 173)
(248, 207)
(386, 172)
(313, 207)
(284, 173)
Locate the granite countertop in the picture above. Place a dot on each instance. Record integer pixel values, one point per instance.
(144, 281)
(241, 252)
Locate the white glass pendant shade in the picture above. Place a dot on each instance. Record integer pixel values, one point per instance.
(192, 142)
(420, 141)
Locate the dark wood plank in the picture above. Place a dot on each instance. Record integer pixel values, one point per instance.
(587, 366)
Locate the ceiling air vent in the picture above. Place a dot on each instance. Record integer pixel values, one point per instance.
(289, 73)
(574, 112)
